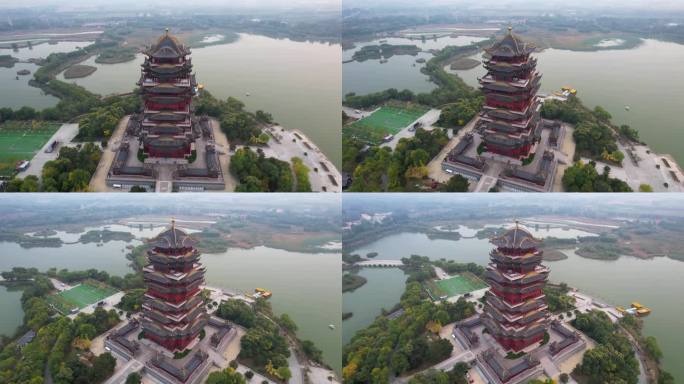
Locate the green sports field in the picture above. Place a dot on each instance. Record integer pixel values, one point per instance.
(387, 120)
(456, 285)
(20, 140)
(80, 296)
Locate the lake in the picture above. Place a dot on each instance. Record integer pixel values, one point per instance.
(400, 71)
(655, 283)
(647, 78)
(17, 93)
(304, 285)
(298, 82)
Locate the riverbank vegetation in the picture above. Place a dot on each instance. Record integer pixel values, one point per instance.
(404, 168)
(60, 344)
(262, 348)
(71, 172)
(457, 375)
(239, 125)
(581, 177)
(407, 343)
(557, 298)
(258, 173)
(301, 173)
(613, 359)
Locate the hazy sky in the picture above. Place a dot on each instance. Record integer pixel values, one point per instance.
(538, 4)
(161, 4)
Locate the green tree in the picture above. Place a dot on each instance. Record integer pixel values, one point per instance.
(133, 378)
(457, 183)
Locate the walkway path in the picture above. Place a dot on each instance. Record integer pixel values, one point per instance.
(434, 167)
(98, 183)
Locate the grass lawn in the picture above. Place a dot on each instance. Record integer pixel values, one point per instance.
(387, 120)
(456, 285)
(20, 140)
(80, 296)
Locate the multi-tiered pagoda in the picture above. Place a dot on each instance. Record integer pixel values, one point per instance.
(167, 86)
(510, 116)
(515, 313)
(173, 310)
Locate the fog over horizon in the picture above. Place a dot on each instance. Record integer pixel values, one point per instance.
(547, 5)
(161, 5)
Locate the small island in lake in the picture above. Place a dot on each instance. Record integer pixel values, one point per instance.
(78, 71)
(384, 51)
(23, 72)
(117, 55)
(464, 63)
(7, 61)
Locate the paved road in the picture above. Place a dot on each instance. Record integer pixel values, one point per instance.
(295, 368)
(444, 365)
(435, 165)
(64, 135)
(293, 143)
(427, 122)
(98, 183)
(351, 112)
(645, 172)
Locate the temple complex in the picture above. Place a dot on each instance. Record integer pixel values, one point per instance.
(509, 147)
(510, 115)
(166, 147)
(515, 312)
(514, 338)
(174, 340)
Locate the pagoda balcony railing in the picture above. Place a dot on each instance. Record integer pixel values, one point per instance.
(518, 290)
(164, 330)
(515, 278)
(151, 305)
(171, 318)
(514, 275)
(152, 82)
(509, 101)
(498, 90)
(519, 318)
(529, 257)
(512, 60)
(513, 331)
(507, 109)
(168, 307)
(178, 286)
(523, 306)
(149, 110)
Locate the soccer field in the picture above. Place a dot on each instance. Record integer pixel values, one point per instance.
(21, 141)
(81, 296)
(385, 121)
(457, 285)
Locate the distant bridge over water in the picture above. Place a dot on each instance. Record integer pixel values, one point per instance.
(380, 263)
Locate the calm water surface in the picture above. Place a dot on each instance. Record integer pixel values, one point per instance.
(298, 82)
(17, 93)
(400, 72)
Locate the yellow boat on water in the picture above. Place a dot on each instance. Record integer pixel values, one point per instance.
(260, 292)
(636, 309)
